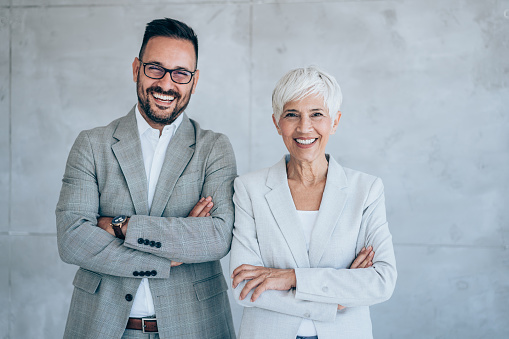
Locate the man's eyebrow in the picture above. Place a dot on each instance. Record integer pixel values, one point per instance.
(160, 64)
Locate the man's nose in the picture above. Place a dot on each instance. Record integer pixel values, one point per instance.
(166, 82)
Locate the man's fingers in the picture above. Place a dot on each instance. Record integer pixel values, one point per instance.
(202, 207)
(206, 209)
(197, 208)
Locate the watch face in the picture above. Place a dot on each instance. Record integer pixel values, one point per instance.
(119, 220)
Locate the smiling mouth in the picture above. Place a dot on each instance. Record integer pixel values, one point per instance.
(163, 98)
(305, 141)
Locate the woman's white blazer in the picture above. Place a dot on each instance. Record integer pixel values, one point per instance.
(268, 233)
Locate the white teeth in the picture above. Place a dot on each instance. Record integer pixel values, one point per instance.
(305, 141)
(163, 97)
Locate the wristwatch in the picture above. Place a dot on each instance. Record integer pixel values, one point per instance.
(117, 224)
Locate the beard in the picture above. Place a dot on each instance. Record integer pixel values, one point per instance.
(150, 112)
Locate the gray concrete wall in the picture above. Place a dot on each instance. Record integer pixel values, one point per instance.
(426, 88)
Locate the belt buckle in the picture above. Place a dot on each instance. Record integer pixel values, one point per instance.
(143, 324)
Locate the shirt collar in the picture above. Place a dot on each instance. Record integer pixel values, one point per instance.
(143, 125)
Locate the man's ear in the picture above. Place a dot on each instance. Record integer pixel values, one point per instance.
(196, 76)
(275, 124)
(136, 69)
(336, 123)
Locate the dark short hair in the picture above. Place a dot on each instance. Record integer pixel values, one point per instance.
(170, 28)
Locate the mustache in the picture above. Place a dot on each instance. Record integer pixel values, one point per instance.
(159, 90)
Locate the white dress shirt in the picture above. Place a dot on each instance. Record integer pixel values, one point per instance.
(308, 220)
(153, 148)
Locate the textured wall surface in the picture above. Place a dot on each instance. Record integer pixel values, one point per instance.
(426, 97)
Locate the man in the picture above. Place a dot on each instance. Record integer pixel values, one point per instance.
(146, 208)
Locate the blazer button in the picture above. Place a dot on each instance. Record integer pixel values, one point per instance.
(147, 241)
(148, 273)
(129, 297)
(158, 244)
(325, 289)
(141, 273)
(154, 273)
(136, 273)
(306, 315)
(140, 241)
(152, 243)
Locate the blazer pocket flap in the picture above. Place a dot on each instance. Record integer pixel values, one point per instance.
(210, 287)
(87, 281)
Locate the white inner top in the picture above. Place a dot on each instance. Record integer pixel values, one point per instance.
(153, 148)
(308, 220)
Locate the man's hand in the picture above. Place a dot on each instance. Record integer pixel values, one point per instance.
(263, 278)
(201, 209)
(105, 224)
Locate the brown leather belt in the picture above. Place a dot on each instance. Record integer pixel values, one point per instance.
(147, 325)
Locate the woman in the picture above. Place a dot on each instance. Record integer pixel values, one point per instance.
(300, 224)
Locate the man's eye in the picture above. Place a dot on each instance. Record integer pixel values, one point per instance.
(154, 68)
(181, 73)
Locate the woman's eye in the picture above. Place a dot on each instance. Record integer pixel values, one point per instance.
(290, 115)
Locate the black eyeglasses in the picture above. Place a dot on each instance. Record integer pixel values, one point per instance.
(179, 76)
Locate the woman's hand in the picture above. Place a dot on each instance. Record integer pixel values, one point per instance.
(262, 279)
(363, 260)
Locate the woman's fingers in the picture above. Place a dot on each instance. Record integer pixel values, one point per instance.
(369, 260)
(250, 285)
(361, 257)
(244, 272)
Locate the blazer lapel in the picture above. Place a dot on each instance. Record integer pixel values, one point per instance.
(333, 201)
(129, 156)
(179, 153)
(283, 209)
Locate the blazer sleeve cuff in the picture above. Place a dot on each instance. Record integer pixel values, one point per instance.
(309, 288)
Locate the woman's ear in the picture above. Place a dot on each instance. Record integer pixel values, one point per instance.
(336, 123)
(276, 124)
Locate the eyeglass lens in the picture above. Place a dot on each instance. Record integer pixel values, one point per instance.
(177, 75)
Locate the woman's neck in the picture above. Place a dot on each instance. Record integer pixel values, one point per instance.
(307, 173)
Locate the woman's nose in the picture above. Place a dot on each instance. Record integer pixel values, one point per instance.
(304, 124)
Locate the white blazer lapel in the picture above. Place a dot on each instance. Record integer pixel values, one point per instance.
(283, 209)
(334, 200)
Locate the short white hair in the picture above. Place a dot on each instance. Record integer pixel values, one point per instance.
(301, 82)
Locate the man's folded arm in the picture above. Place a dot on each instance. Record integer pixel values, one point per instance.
(193, 240)
(80, 241)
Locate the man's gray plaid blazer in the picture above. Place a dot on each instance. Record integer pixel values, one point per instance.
(105, 176)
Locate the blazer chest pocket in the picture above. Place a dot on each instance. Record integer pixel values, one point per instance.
(190, 179)
(212, 286)
(87, 281)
